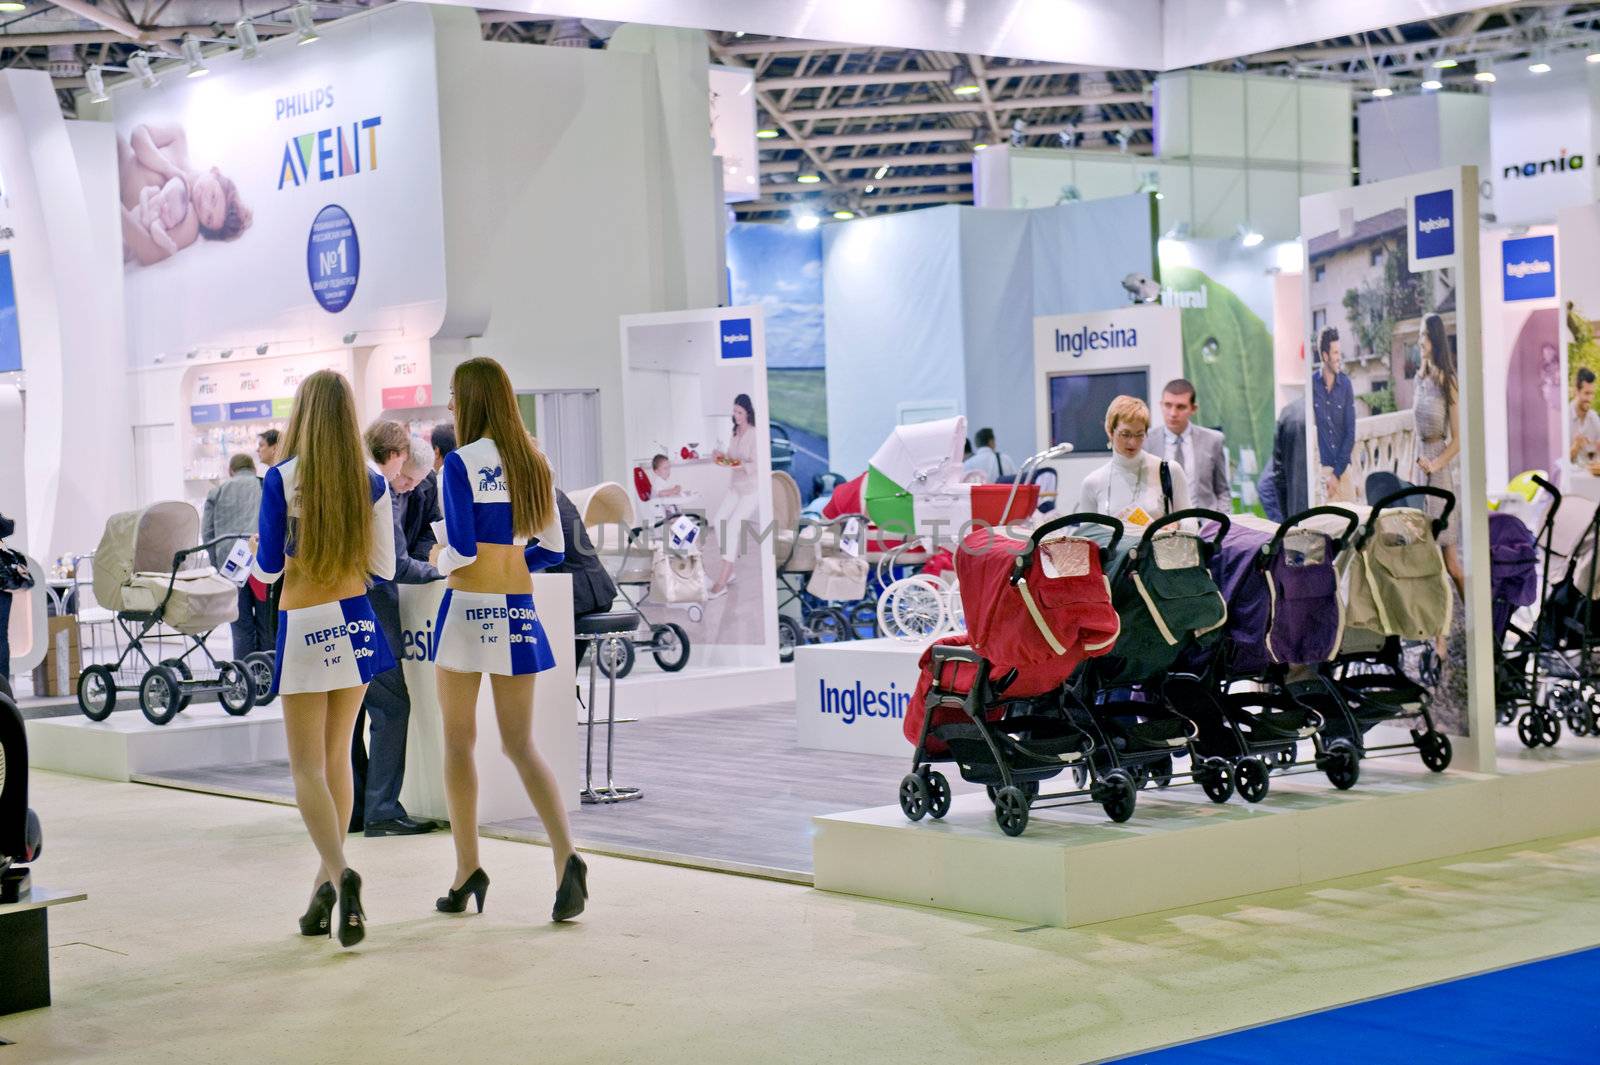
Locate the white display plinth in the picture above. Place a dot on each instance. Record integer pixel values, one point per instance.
(648, 693)
(852, 696)
(500, 793)
(126, 744)
(1074, 867)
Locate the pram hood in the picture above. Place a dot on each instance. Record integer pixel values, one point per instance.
(141, 541)
(913, 481)
(1166, 597)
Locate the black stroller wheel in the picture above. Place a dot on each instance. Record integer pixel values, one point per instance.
(1436, 750)
(790, 636)
(1030, 790)
(1080, 775)
(914, 796)
(1011, 810)
(1119, 795)
(1549, 728)
(1251, 779)
(1215, 781)
(1528, 728)
(181, 668)
(160, 695)
(1342, 763)
(938, 788)
(669, 645)
(1288, 756)
(828, 626)
(259, 665)
(97, 692)
(864, 621)
(236, 692)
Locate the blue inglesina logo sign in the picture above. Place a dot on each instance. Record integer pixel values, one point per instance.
(1434, 221)
(736, 342)
(851, 703)
(1528, 268)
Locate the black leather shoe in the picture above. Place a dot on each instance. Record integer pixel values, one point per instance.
(399, 826)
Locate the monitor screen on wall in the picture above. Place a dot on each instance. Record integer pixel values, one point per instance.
(1078, 403)
(10, 335)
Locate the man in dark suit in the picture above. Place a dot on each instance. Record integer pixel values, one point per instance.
(380, 769)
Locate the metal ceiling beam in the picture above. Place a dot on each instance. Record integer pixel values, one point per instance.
(847, 163)
(899, 136)
(985, 95)
(955, 180)
(917, 77)
(84, 9)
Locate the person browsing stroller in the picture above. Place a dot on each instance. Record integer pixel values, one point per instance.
(326, 525)
(501, 523)
(1131, 487)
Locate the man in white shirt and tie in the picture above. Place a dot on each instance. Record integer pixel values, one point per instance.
(1200, 451)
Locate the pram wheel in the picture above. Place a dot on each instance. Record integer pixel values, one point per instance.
(864, 621)
(181, 668)
(97, 692)
(1118, 795)
(236, 692)
(828, 626)
(938, 788)
(259, 665)
(1529, 728)
(669, 644)
(1288, 756)
(160, 694)
(1435, 748)
(1251, 779)
(616, 656)
(1011, 809)
(1215, 781)
(914, 796)
(790, 636)
(1342, 763)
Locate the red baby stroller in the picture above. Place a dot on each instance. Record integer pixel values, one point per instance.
(994, 700)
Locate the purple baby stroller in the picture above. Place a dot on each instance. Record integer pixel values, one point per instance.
(1283, 611)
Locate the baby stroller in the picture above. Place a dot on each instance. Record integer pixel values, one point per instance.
(1514, 582)
(820, 570)
(1284, 611)
(1398, 590)
(993, 700)
(143, 572)
(1562, 641)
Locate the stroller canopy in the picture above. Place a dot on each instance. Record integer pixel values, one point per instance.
(914, 480)
(1166, 598)
(1513, 568)
(1398, 582)
(141, 541)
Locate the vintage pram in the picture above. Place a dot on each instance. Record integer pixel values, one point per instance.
(1284, 614)
(1398, 589)
(1092, 699)
(149, 571)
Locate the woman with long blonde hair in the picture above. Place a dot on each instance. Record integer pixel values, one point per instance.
(325, 526)
(501, 523)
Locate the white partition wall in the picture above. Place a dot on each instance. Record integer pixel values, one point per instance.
(1381, 261)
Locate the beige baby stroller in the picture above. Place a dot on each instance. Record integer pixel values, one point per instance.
(150, 572)
(648, 567)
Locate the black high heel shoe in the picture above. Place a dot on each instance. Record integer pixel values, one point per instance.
(352, 918)
(573, 892)
(475, 887)
(315, 920)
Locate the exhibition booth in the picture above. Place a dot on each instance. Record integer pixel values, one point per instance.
(369, 237)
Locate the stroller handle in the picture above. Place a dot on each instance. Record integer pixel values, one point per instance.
(1020, 567)
(179, 557)
(1555, 492)
(1198, 513)
(1339, 542)
(1395, 498)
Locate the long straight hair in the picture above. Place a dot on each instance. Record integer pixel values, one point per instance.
(486, 406)
(1442, 359)
(333, 501)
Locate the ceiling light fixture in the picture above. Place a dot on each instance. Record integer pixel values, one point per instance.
(870, 188)
(805, 219)
(882, 172)
(1593, 56)
(766, 134)
(12, 5)
(1444, 63)
(844, 215)
(193, 56)
(963, 83)
(980, 146)
(96, 79)
(300, 15)
(140, 66)
(1432, 85)
(1485, 73)
(244, 35)
(1248, 237)
(1538, 65)
(809, 178)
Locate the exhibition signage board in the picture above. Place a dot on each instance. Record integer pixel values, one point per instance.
(1082, 362)
(1393, 321)
(853, 696)
(1542, 139)
(1579, 317)
(291, 198)
(1523, 390)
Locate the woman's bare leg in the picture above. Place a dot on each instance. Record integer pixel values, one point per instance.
(458, 705)
(513, 709)
(343, 706)
(305, 717)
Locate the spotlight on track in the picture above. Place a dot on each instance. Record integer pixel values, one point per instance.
(304, 23)
(140, 66)
(963, 83)
(96, 79)
(193, 56)
(244, 34)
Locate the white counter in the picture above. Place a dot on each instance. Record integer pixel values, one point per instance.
(500, 793)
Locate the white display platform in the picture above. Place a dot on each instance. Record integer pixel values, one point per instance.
(651, 693)
(852, 696)
(1073, 866)
(500, 793)
(125, 744)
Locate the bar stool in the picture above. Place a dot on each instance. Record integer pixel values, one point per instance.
(596, 630)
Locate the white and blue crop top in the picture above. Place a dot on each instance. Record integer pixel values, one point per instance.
(477, 510)
(278, 521)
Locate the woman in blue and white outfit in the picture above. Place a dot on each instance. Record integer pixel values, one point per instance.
(501, 523)
(325, 526)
